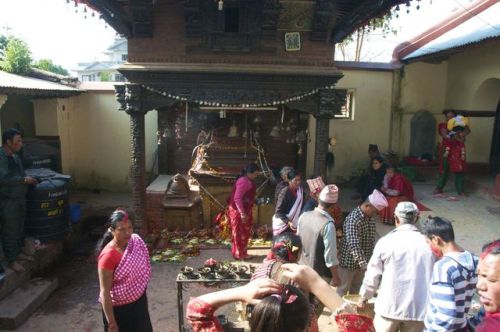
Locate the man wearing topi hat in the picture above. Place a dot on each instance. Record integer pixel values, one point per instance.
(317, 232)
(400, 270)
(358, 242)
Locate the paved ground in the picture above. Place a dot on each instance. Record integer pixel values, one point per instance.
(73, 307)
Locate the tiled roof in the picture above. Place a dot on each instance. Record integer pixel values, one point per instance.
(474, 24)
(11, 83)
(473, 31)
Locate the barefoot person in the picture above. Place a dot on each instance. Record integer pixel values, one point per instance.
(124, 273)
(240, 210)
(13, 188)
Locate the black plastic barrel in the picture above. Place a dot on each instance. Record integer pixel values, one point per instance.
(47, 211)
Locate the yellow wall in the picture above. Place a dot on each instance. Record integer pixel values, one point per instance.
(474, 84)
(45, 112)
(371, 123)
(95, 141)
(468, 80)
(423, 87)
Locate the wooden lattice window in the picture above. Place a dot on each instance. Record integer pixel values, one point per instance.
(347, 110)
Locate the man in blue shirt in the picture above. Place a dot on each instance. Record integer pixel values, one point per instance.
(454, 279)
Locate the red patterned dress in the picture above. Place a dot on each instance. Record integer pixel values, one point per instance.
(201, 317)
(400, 189)
(241, 202)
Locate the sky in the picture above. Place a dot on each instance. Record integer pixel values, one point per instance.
(54, 31)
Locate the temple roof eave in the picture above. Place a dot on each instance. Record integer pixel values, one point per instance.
(224, 68)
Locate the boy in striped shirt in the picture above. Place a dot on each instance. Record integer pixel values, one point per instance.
(453, 281)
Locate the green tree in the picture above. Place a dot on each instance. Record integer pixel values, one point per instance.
(105, 76)
(48, 65)
(3, 44)
(16, 57)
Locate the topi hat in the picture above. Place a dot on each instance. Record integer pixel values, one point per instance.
(316, 184)
(329, 194)
(378, 200)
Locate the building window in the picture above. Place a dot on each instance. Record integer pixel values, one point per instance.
(88, 78)
(347, 110)
(119, 78)
(124, 57)
(232, 20)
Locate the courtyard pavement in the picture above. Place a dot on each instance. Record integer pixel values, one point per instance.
(74, 307)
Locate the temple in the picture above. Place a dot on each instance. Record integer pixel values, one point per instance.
(233, 82)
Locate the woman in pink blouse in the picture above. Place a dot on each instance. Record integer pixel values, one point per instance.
(240, 210)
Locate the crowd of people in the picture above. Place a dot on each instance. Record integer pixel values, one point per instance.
(419, 277)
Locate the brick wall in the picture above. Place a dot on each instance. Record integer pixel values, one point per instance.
(168, 44)
(155, 212)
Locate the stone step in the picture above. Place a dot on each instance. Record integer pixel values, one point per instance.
(20, 304)
(12, 280)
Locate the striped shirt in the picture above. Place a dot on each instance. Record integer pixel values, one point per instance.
(453, 285)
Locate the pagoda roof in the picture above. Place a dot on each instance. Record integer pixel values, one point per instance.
(132, 18)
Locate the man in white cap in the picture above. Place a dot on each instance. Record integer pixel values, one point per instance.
(316, 229)
(400, 270)
(358, 242)
(317, 232)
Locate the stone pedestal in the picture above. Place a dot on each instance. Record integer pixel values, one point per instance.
(172, 214)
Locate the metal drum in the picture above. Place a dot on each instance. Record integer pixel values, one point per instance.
(47, 210)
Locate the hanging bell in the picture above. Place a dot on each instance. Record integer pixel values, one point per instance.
(300, 152)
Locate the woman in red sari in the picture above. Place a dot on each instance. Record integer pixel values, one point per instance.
(240, 210)
(397, 188)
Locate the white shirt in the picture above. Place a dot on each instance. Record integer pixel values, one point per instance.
(401, 270)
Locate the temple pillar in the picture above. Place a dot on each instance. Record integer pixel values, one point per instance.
(163, 133)
(321, 147)
(330, 103)
(130, 98)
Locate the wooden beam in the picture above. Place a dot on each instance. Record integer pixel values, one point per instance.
(114, 14)
(473, 114)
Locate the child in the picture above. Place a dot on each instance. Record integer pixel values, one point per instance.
(459, 121)
(454, 279)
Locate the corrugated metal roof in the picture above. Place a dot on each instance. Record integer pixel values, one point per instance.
(12, 81)
(483, 26)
